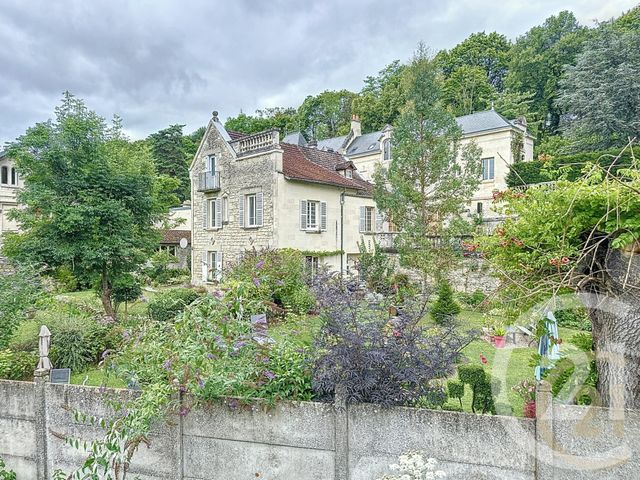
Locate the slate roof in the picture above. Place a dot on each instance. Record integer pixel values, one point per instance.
(369, 142)
(334, 143)
(295, 138)
(317, 166)
(236, 135)
(174, 236)
(482, 121)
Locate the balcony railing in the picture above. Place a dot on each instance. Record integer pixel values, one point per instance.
(209, 182)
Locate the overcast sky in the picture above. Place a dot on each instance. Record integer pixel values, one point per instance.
(160, 62)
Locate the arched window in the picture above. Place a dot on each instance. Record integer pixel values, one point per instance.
(4, 175)
(14, 176)
(386, 149)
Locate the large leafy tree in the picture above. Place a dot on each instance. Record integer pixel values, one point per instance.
(167, 148)
(91, 198)
(381, 98)
(537, 60)
(327, 114)
(467, 90)
(431, 176)
(601, 93)
(583, 237)
(488, 51)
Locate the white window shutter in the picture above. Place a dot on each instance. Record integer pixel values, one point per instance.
(241, 211)
(219, 263)
(323, 216)
(492, 167)
(303, 214)
(205, 266)
(218, 212)
(259, 208)
(363, 213)
(379, 221)
(205, 213)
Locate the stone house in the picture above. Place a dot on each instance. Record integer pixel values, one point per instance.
(255, 191)
(10, 182)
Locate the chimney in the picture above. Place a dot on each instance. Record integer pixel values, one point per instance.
(313, 143)
(356, 127)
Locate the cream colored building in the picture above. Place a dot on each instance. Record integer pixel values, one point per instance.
(10, 182)
(254, 191)
(500, 140)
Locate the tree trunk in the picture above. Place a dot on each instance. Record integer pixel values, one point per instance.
(613, 304)
(105, 295)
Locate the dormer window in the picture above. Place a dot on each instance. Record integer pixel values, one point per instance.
(4, 175)
(348, 173)
(14, 176)
(386, 149)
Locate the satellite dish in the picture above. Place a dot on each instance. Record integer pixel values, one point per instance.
(183, 243)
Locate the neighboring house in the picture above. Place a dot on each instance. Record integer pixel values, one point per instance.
(177, 240)
(10, 182)
(502, 141)
(254, 191)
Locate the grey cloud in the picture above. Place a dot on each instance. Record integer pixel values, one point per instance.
(160, 62)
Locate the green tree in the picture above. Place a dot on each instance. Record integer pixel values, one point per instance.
(431, 176)
(167, 148)
(284, 119)
(327, 114)
(467, 90)
(579, 236)
(381, 98)
(537, 60)
(445, 308)
(601, 93)
(20, 291)
(488, 51)
(90, 198)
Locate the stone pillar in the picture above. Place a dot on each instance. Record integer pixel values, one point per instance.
(41, 378)
(544, 431)
(342, 436)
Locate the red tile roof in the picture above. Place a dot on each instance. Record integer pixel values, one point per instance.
(174, 236)
(236, 135)
(317, 166)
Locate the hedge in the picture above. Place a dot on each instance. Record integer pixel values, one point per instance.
(536, 171)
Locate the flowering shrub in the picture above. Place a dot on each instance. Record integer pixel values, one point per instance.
(374, 358)
(166, 305)
(412, 466)
(274, 276)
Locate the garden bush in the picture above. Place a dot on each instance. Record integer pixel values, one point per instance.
(160, 271)
(65, 280)
(455, 389)
(274, 276)
(445, 308)
(483, 386)
(375, 267)
(373, 358)
(583, 340)
(20, 292)
(17, 365)
(165, 306)
(473, 299)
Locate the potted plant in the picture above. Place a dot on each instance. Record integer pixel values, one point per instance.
(527, 390)
(499, 339)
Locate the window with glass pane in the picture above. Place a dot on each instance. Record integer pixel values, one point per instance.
(312, 215)
(488, 169)
(368, 219)
(251, 210)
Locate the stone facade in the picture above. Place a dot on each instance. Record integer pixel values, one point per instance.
(10, 182)
(284, 177)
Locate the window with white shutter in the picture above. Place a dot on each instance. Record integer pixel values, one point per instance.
(303, 214)
(254, 210)
(218, 213)
(213, 266)
(323, 216)
(367, 219)
(379, 221)
(259, 209)
(205, 213)
(205, 266)
(241, 211)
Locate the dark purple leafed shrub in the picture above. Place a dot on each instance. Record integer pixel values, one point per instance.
(373, 357)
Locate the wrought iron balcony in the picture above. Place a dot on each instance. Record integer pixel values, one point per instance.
(209, 182)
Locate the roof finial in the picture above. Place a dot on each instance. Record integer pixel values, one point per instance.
(492, 105)
(214, 114)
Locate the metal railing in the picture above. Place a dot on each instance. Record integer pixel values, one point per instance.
(209, 181)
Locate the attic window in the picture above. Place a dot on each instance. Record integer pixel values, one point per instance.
(348, 173)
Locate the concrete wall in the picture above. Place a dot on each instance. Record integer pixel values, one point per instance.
(305, 441)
